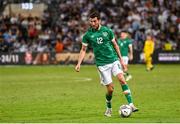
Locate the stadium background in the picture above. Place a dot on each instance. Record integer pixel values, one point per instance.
(49, 32)
(38, 31)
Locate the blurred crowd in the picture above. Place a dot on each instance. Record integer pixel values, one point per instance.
(62, 25)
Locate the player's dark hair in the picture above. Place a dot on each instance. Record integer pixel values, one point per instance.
(125, 31)
(94, 14)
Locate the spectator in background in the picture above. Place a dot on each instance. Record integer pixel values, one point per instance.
(167, 46)
(135, 16)
(59, 46)
(32, 32)
(42, 56)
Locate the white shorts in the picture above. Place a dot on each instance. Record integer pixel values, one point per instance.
(108, 70)
(125, 59)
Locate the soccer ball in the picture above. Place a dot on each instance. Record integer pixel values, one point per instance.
(125, 111)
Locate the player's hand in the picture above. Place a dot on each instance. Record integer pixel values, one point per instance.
(124, 68)
(123, 65)
(151, 55)
(130, 57)
(77, 68)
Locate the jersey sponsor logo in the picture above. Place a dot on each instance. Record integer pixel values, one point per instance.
(121, 44)
(92, 36)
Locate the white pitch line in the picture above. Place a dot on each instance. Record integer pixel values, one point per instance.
(82, 79)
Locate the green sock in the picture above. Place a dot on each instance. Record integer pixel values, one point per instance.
(127, 74)
(108, 100)
(126, 89)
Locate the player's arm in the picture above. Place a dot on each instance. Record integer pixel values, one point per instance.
(145, 45)
(81, 57)
(130, 52)
(152, 48)
(116, 47)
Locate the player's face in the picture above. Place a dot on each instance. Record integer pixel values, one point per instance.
(94, 22)
(123, 35)
(149, 38)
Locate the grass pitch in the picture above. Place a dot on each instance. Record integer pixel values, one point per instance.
(59, 94)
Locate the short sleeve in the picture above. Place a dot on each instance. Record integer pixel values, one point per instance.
(111, 34)
(85, 40)
(130, 42)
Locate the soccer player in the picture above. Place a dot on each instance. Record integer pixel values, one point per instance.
(148, 52)
(125, 45)
(100, 38)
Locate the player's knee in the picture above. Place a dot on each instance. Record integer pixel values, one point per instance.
(121, 79)
(110, 89)
(123, 82)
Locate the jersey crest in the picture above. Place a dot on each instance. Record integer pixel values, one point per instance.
(105, 34)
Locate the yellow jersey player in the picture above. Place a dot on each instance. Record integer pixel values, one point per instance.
(148, 52)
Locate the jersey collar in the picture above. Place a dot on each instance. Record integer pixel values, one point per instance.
(94, 30)
(99, 27)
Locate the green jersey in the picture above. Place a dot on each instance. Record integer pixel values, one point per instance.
(124, 46)
(100, 40)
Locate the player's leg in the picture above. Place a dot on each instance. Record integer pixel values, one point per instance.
(149, 63)
(110, 89)
(127, 75)
(126, 91)
(106, 80)
(125, 87)
(117, 71)
(126, 72)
